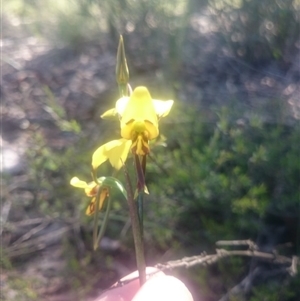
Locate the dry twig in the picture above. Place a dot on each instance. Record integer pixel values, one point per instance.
(204, 259)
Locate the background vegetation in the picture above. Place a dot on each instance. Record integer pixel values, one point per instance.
(227, 164)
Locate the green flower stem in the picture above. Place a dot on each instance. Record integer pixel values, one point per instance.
(140, 172)
(95, 228)
(140, 164)
(140, 204)
(135, 208)
(137, 231)
(97, 237)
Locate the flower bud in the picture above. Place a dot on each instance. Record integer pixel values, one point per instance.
(122, 72)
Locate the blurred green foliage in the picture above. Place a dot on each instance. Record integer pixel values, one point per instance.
(255, 31)
(282, 290)
(217, 178)
(224, 175)
(217, 181)
(258, 31)
(221, 178)
(20, 289)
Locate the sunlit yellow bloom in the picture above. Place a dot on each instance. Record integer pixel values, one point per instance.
(139, 115)
(91, 190)
(116, 151)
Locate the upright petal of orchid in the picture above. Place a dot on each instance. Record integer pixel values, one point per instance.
(137, 114)
(162, 108)
(116, 151)
(139, 107)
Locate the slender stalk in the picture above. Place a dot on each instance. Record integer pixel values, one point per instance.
(140, 173)
(140, 199)
(122, 77)
(95, 228)
(136, 230)
(103, 225)
(140, 205)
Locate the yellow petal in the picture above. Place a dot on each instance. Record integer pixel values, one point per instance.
(139, 107)
(118, 155)
(118, 110)
(91, 207)
(91, 189)
(78, 183)
(99, 156)
(162, 108)
(134, 126)
(127, 129)
(116, 151)
(109, 114)
(139, 126)
(152, 131)
(121, 105)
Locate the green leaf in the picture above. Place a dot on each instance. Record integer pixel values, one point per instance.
(115, 186)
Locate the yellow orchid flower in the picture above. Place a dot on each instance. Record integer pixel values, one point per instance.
(139, 115)
(91, 190)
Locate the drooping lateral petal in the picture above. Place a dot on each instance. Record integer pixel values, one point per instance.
(115, 151)
(118, 155)
(99, 156)
(78, 183)
(162, 108)
(139, 106)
